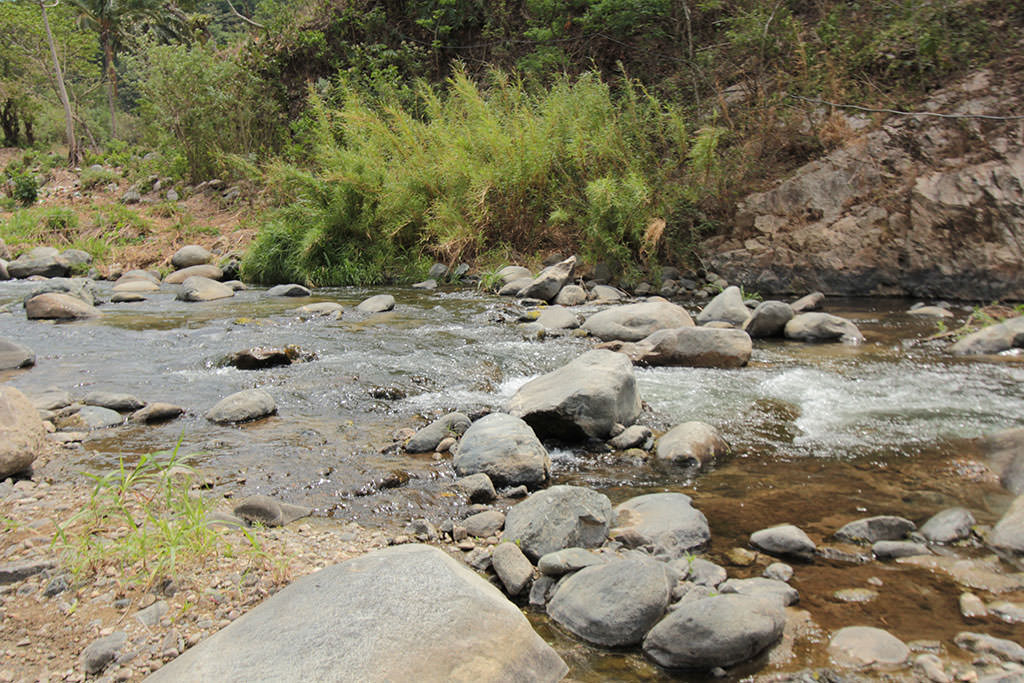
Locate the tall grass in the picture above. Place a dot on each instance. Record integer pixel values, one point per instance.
(471, 169)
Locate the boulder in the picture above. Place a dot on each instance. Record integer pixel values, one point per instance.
(478, 488)
(427, 439)
(948, 526)
(996, 338)
(504, 448)
(612, 604)
(665, 524)
(198, 288)
(808, 302)
(866, 647)
(44, 266)
(513, 273)
(262, 357)
(871, 529)
(784, 540)
(569, 560)
(89, 418)
(13, 355)
(54, 306)
(76, 257)
(321, 308)
(559, 517)
(718, 631)
(691, 444)
(822, 327)
(571, 295)
(769, 320)
(243, 406)
(190, 255)
(549, 282)
(1008, 533)
(402, 611)
(207, 270)
(113, 401)
(633, 322)
(80, 288)
(156, 412)
(695, 347)
(22, 436)
(377, 304)
(512, 567)
(761, 587)
(288, 290)
(586, 398)
(727, 307)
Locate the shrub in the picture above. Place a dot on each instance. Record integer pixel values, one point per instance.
(94, 177)
(25, 189)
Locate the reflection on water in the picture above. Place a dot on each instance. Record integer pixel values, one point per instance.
(821, 434)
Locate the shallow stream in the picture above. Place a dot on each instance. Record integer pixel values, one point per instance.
(822, 434)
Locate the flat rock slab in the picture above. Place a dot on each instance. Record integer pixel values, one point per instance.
(262, 357)
(973, 573)
(404, 611)
(377, 304)
(665, 524)
(13, 355)
(557, 518)
(10, 572)
(866, 647)
(243, 406)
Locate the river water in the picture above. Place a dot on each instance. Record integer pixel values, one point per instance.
(822, 434)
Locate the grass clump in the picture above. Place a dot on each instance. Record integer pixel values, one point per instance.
(96, 176)
(467, 170)
(143, 520)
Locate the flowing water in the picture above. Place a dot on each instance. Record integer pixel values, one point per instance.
(822, 434)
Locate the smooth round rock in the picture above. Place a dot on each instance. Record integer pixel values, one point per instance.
(948, 526)
(785, 540)
(243, 406)
(206, 270)
(665, 524)
(288, 290)
(56, 306)
(504, 448)
(190, 255)
(377, 304)
(691, 444)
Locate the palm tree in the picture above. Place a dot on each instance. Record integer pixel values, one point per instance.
(112, 20)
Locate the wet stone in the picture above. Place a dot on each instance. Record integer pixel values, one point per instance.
(872, 529)
(778, 571)
(980, 643)
(855, 595)
(865, 647)
(972, 607)
(783, 540)
(948, 526)
(891, 550)
(156, 412)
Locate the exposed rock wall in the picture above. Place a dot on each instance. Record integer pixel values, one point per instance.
(915, 206)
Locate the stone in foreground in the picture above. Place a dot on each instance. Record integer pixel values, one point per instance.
(407, 611)
(559, 517)
(718, 631)
(585, 398)
(243, 406)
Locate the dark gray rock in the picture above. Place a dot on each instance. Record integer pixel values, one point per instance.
(586, 398)
(718, 631)
(948, 526)
(100, 652)
(504, 448)
(691, 444)
(197, 288)
(377, 304)
(512, 567)
(243, 406)
(633, 322)
(727, 307)
(288, 290)
(1008, 533)
(557, 518)
(665, 524)
(113, 401)
(760, 586)
(156, 412)
(549, 282)
(822, 327)
(568, 560)
(612, 604)
(370, 618)
(269, 511)
(893, 550)
(769, 320)
(12, 572)
(190, 255)
(784, 540)
(45, 266)
(484, 524)
(427, 438)
(868, 648)
(871, 529)
(478, 488)
(13, 355)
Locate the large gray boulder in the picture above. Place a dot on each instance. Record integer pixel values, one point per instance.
(997, 338)
(13, 355)
(613, 604)
(427, 438)
(665, 524)
(559, 517)
(504, 448)
(198, 288)
(727, 307)
(46, 266)
(54, 306)
(695, 347)
(207, 270)
(872, 529)
(633, 322)
(1008, 533)
(586, 398)
(378, 303)
(822, 327)
(22, 436)
(769, 319)
(405, 612)
(242, 406)
(190, 255)
(549, 281)
(691, 444)
(718, 631)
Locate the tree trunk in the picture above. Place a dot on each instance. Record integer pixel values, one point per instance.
(108, 57)
(74, 156)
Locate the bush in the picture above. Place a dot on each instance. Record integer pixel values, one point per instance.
(93, 177)
(24, 189)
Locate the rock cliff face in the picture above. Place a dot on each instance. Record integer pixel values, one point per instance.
(915, 206)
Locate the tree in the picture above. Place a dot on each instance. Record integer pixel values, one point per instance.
(69, 123)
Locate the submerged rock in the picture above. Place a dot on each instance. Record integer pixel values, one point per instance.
(559, 517)
(262, 357)
(864, 647)
(370, 618)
